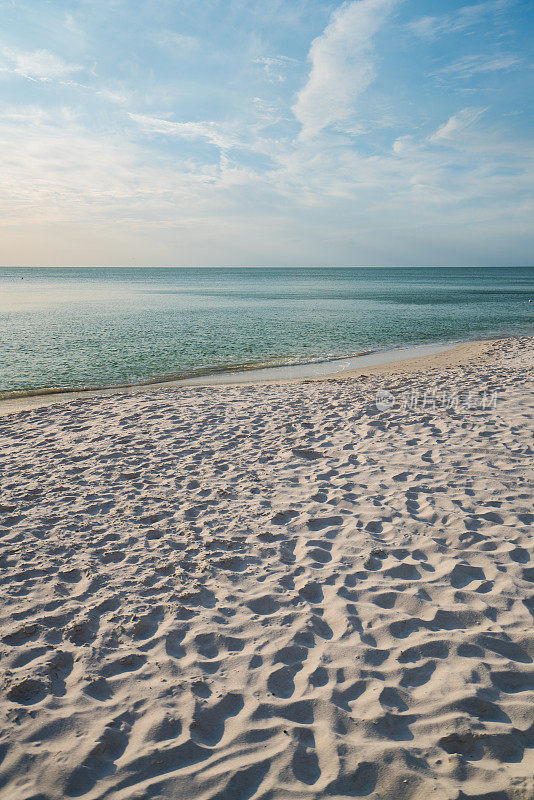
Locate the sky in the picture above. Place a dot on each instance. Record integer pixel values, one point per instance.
(266, 132)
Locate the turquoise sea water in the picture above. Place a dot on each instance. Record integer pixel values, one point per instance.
(84, 327)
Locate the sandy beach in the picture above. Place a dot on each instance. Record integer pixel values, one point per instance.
(274, 591)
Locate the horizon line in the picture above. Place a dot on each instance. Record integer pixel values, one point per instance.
(266, 266)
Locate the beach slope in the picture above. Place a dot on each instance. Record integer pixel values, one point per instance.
(323, 589)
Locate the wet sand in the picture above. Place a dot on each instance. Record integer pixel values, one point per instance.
(403, 359)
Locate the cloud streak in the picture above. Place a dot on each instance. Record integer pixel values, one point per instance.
(468, 66)
(37, 65)
(209, 131)
(466, 17)
(457, 124)
(177, 43)
(273, 67)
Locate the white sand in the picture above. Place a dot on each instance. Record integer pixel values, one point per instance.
(272, 592)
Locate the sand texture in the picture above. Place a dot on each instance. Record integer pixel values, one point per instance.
(273, 592)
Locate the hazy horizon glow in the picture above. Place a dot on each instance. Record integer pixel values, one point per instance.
(282, 132)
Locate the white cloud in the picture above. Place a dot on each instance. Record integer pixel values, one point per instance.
(188, 130)
(37, 65)
(64, 181)
(273, 67)
(342, 60)
(456, 124)
(465, 17)
(401, 144)
(55, 168)
(258, 193)
(471, 65)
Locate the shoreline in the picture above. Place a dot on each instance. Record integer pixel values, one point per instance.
(411, 359)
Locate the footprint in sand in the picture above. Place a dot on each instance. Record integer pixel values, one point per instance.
(99, 763)
(321, 628)
(394, 727)
(434, 649)
(520, 555)
(208, 724)
(463, 574)
(281, 682)
(23, 635)
(287, 555)
(342, 698)
(173, 646)
(312, 592)
(29, 655)
(505, 648)
(513, 682)
(307, 453)
(407, 572)
(318, 677)
(265, 605)
(318, 523)
(305, 763)
(147, 626)
(99, 689)
(82, 632)
(358, 783)
(207, 645)
(385, 599)
(128, 663)
(418, 676)
(319, 552)
(245, 783)
(482, 709)
(283, 517)
(390, 697)
(292, 654)
(58, 669)
(27, 692)
(169, 728)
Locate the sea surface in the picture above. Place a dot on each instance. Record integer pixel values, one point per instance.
(72, 328)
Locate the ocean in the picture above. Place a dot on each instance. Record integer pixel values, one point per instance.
(73, 328)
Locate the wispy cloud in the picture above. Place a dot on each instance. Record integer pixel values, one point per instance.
(210, 131)
(466, 17)
(342, 65)
(273, 67)
(37, 65)
(54, 168)
(178, 43)
(311, 200)
(200, 139)
(468, 66)
(456, 124)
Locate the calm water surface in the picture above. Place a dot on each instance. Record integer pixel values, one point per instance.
(81, 327)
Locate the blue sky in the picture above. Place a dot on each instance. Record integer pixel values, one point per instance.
(266, 132)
